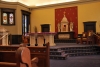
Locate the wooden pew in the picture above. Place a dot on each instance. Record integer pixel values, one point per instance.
(21, 58)
(42, 53)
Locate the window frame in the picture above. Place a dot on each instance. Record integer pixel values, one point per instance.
(25, 13)
(8, 11)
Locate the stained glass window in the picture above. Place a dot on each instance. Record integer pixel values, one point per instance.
(5, 18)
(11, 18)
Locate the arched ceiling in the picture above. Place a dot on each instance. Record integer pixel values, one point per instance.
(39, 2)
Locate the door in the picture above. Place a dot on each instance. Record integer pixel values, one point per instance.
(90, 25)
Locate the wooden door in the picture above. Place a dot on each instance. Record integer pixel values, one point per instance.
(90, 25)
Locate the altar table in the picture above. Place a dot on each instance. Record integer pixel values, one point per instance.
(48, 36)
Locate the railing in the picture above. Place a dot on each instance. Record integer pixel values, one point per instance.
(98, 38)
(4, 41)
(3, 36)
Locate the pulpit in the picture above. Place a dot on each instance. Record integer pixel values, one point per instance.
(41, 38)
(3, 36)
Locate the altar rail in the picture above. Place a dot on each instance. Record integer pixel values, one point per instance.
(41, 52)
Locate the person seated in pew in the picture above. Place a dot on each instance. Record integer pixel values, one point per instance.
(25, 40)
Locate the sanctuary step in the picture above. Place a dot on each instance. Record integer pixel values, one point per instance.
(62, 52)
(65, 41)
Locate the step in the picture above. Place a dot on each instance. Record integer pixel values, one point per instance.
(69, 48)
(65, 41)
(57, 52)
(79, 50)
(83, 53)
(59, 57)
(55, 49)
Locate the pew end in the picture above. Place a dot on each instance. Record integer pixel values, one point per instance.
(22, 58)
(39, 55)
(34, 62)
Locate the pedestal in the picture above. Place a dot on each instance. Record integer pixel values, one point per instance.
(49, 37)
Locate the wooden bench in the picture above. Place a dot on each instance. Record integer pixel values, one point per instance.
(19, 58)
(42, 53)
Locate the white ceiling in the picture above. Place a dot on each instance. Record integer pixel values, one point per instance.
(39, 2)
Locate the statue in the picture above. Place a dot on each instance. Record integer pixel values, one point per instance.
(71, 26)
(59, 27)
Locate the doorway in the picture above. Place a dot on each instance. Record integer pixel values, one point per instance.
(90, 25)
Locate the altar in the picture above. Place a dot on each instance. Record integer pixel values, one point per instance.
(65, 29)
(65, 35)
(42, 38)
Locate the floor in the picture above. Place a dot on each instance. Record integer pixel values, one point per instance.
(83, 61)
(79, 61)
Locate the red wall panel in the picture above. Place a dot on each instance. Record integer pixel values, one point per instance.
(71, 14)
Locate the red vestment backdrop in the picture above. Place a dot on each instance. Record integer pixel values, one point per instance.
(71, 14)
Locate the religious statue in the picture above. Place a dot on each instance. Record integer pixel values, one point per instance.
(71, 26)
(59, 27)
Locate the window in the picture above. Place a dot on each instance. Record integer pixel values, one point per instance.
(7, 16)
(25, 22)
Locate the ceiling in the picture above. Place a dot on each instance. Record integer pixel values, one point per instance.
(39, 2)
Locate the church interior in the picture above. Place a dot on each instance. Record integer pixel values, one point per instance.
(49, 33)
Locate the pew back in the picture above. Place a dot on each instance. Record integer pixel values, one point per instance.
(21, 57)
(41, 52)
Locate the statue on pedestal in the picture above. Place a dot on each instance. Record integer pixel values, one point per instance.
(59, 27)
(71, 26)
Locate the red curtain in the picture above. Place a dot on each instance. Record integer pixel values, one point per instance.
(71, 14)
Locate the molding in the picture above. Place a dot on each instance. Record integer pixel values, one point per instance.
(46, 6)
(66, 3)
(13, 3)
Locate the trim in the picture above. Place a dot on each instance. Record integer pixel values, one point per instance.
(26, 12)
(66, 3)
(14, 3)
